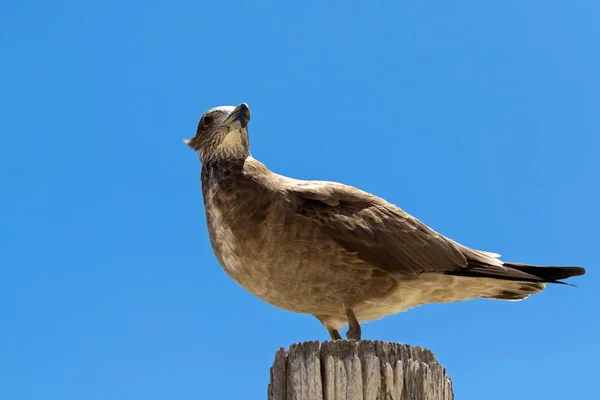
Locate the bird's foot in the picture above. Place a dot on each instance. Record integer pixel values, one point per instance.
(354, 331)
(335, 335)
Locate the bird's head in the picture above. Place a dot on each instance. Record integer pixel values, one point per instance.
(222, 134)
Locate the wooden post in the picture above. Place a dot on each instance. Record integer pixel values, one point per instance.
(365, 370)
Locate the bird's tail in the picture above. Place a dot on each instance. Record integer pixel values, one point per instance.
(546, 273)
(517, 281)
(517, 272)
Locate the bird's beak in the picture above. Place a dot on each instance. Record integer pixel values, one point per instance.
(239, 117)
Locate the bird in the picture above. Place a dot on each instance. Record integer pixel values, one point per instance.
(331, 250)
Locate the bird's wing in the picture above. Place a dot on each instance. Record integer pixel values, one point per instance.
(380, 233)
(389, 239)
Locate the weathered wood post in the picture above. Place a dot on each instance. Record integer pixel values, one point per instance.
(365, 370)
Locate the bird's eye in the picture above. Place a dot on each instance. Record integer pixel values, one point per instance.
(208, 119)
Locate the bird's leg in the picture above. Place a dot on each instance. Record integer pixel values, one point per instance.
(335, 335)
(353, 325)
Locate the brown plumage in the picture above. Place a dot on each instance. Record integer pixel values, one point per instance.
(331, 250)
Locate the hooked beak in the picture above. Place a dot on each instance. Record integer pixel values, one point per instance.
(239, 117)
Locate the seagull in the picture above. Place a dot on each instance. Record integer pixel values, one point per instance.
(331, 250)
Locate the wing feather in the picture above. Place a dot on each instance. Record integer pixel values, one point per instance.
(380, 233)
(390, 240)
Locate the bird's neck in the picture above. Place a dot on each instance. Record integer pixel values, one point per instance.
(224, 164)
(226, 155)
(221, 171)
(225, 173)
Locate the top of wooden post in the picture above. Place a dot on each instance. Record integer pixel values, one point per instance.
(365, 370)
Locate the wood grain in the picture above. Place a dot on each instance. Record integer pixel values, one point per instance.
(365, 370)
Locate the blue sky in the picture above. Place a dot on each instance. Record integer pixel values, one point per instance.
(479, 118)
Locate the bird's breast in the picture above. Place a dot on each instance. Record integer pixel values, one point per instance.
(226, 243)
(235, 214)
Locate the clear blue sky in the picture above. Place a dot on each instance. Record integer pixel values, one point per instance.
(480, 119)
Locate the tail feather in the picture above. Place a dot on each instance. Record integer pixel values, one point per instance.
(516, 281)
(547, 273)
(518, 272)
(518, 290)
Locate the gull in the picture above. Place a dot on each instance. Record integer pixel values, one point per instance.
(331, 250)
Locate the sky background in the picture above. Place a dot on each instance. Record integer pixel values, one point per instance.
(479, 118)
